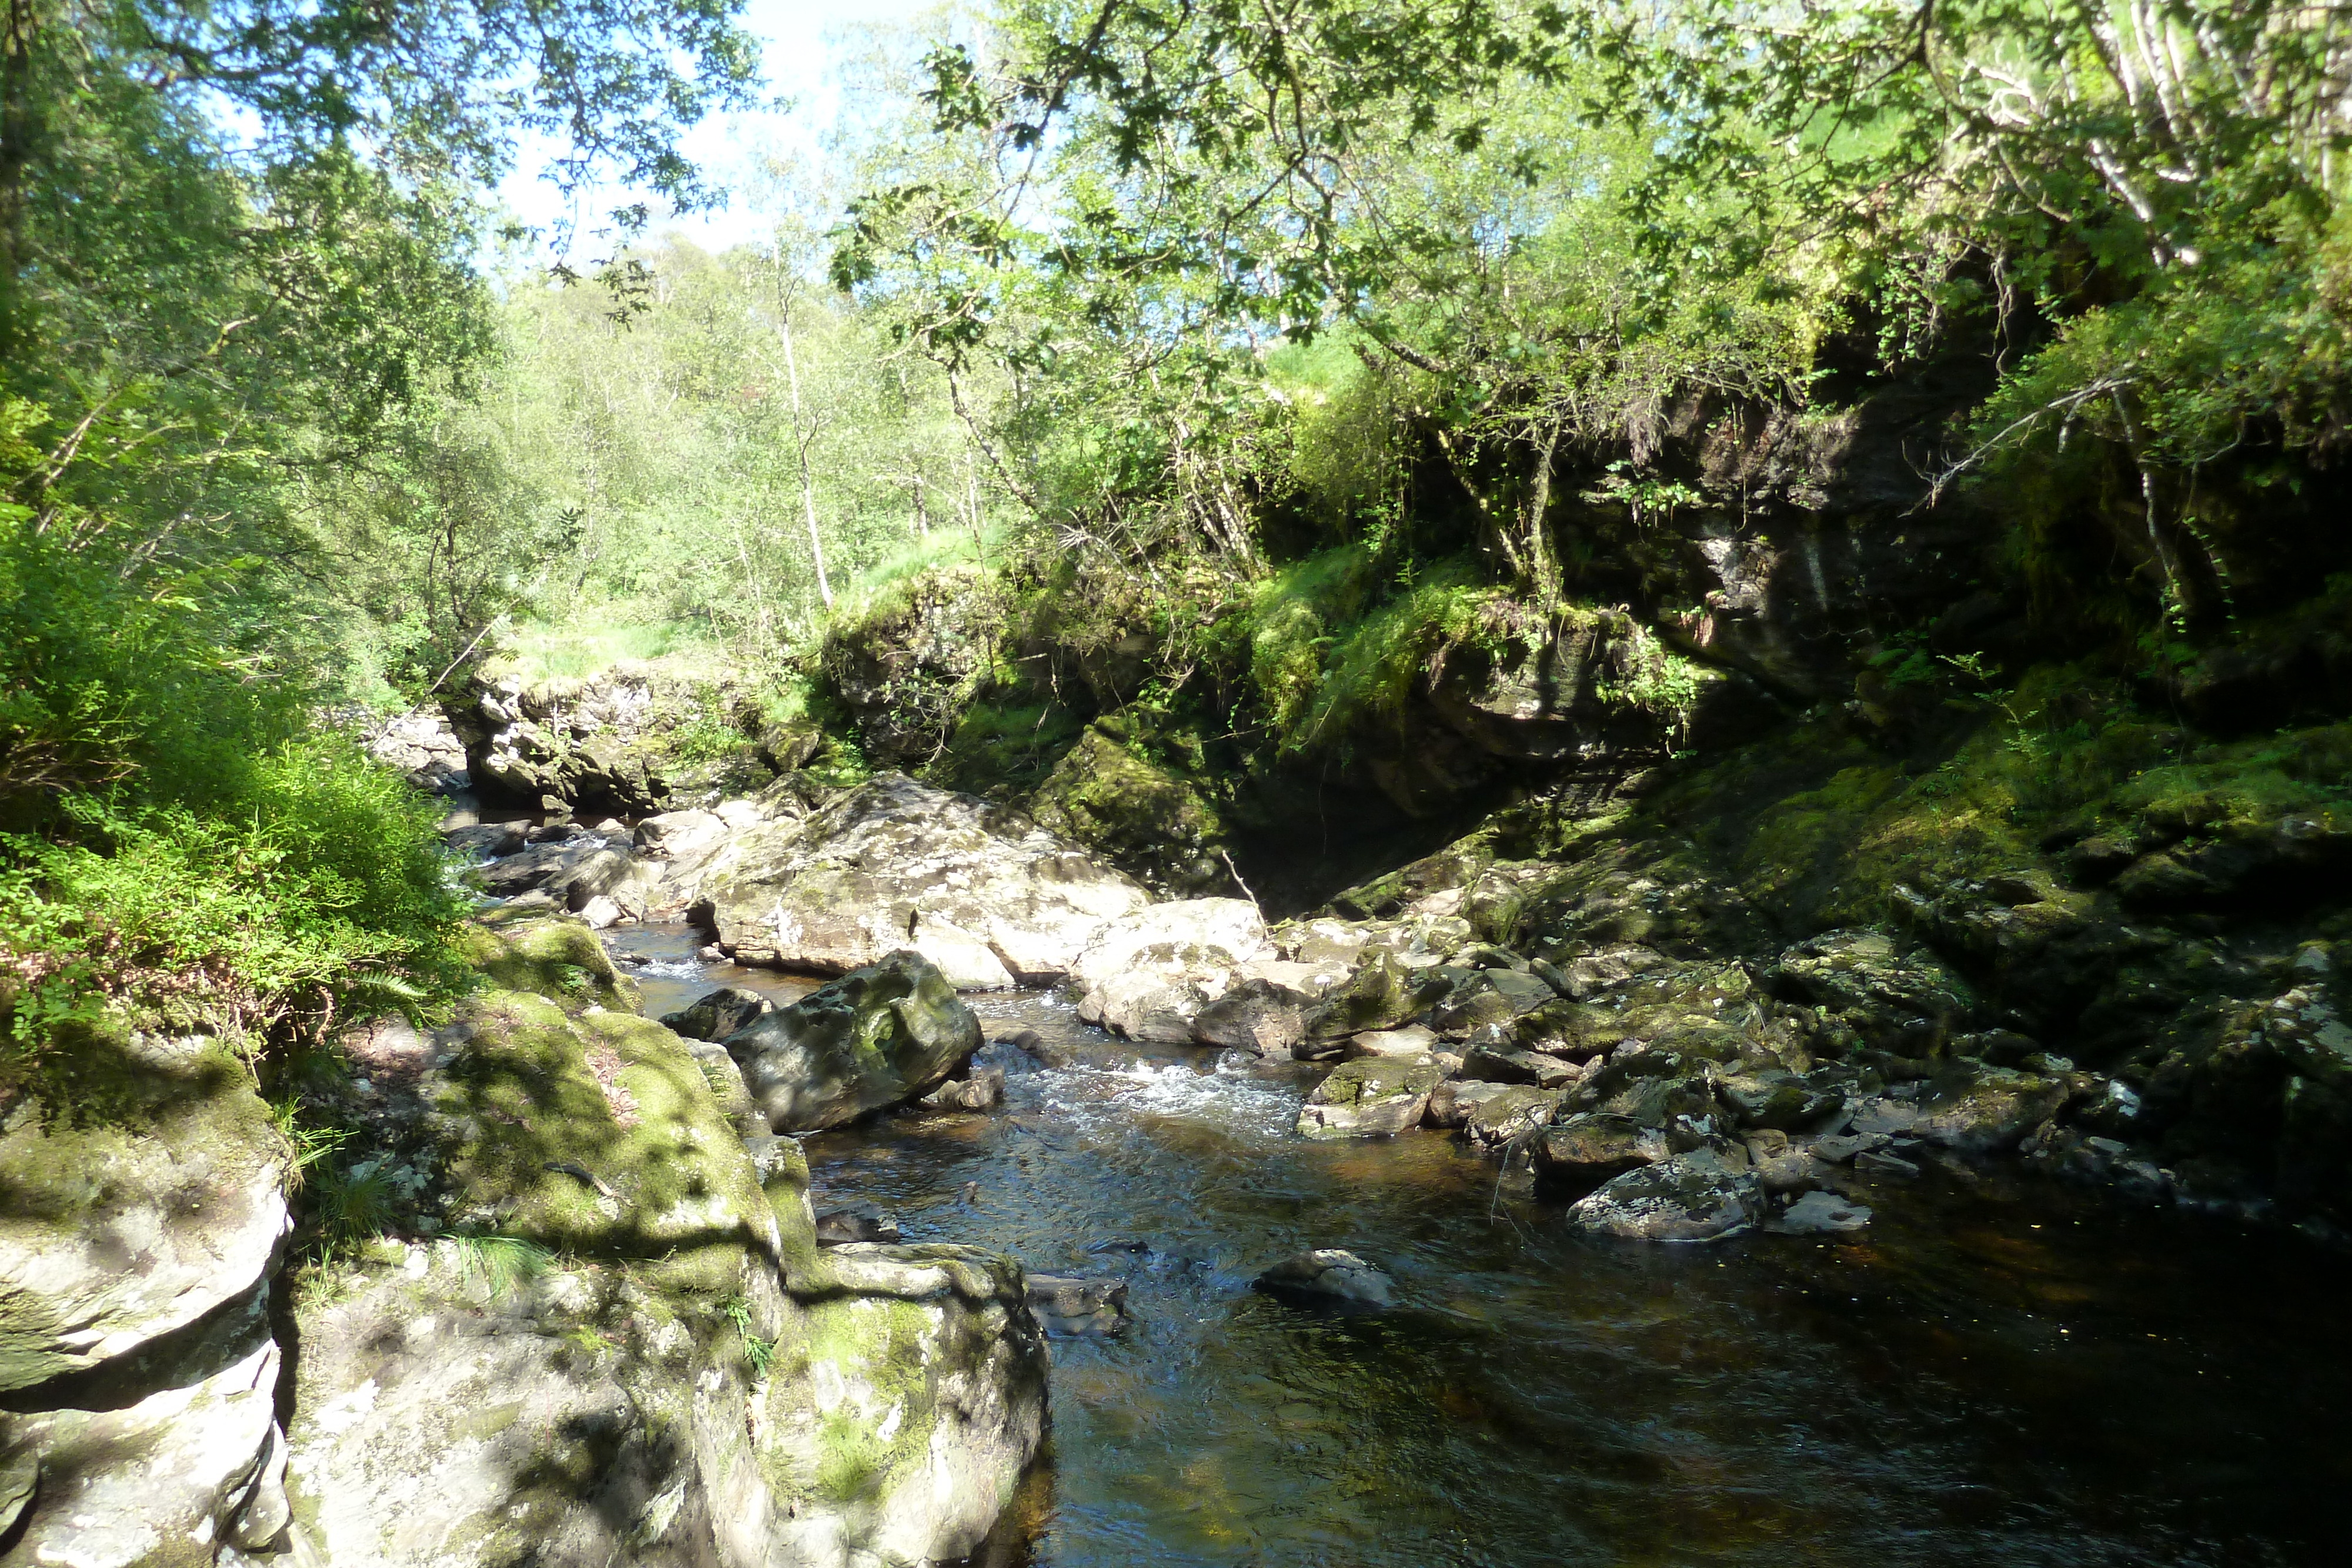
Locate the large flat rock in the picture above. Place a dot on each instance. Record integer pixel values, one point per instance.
(983, 893)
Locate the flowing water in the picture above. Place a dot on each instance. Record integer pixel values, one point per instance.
(1993, 1373)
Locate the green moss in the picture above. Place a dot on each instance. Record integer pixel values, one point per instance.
(597, 1135)
(558, 960)
(881, 1343)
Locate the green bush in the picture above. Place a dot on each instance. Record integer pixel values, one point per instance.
(315, 897)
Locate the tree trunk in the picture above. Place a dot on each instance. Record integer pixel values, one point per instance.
(803, 435)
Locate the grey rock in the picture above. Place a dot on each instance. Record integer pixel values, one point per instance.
(1694, 1197)
(1821, 1214)
(1069, 1308)
(1372, 1096)
(984, 1090)
(875, 1037)
(1256, 1015)
(1878, 1161)
(1502, 1064)
(1412, 1041)
(840, 1227)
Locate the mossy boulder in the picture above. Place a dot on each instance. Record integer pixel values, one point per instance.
(559, 959)
(898, 1421)
(1694, 1197)
(1368, 1097)
(151, 1198)
(877, 1037)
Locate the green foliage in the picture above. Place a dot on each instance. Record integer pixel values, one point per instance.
(759, 1353)
(503, 1263)
(313, 895)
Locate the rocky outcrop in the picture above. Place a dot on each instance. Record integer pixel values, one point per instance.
(896, 1424)
(138, 1229)
(988, 897)
(877, 1037)
(186, 1472)
(573, 1316)
(160, 1202)
(626, 1345)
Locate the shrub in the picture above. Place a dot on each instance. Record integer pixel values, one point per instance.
(315, 895)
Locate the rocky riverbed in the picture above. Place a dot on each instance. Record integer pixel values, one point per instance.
(733, 1219)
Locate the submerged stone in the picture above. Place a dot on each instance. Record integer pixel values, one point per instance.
(1329, 1276)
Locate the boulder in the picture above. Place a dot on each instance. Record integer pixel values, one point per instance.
(1409, 1043)
(1488, 996)
(1256, 1015)
(1890, 993)
(486, 840)
(1780, 1099)
(163, 1202)
(910, 1404)
(983, 893)
(1231, 926)
(1694, 1197)
(557, 1380)
(1331, 1276)
(839, 1226)
(1495, 1063)
(1512, 1109)
(1821, 1214)
(983, 1091)
(1157, 1001)
(1970, 1109)
(1148, 976)
(1368, 1097)
(1589, 1149)
(633, 1349)
(1381, 994)
(877, 1037)
(611, 873)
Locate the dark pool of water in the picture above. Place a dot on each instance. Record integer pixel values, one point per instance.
(1996, 1372)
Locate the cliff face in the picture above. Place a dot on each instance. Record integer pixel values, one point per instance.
(2095, 768)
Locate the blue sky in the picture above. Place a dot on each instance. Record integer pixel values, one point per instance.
(804, 43)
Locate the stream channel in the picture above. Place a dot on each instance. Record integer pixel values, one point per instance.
(1995, 1372)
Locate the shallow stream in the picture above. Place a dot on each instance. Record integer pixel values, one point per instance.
(1992, 1373)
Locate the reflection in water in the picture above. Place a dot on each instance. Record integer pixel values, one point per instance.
(1989, 1375)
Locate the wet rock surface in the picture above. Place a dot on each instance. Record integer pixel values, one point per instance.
(1330, 1277)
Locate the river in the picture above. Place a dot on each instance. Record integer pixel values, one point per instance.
(1996, 1371)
